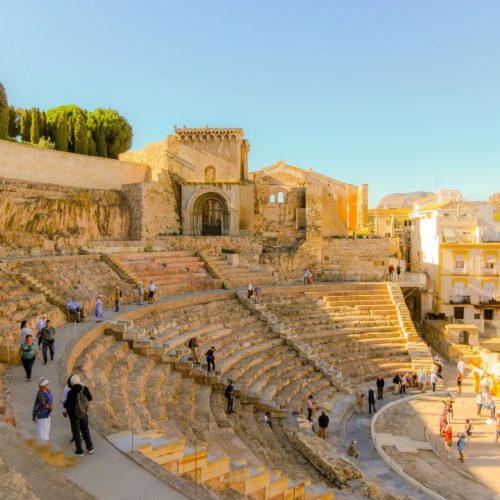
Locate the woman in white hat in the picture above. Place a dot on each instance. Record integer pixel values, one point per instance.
(42, 409)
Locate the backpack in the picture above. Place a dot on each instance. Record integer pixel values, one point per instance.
(228, 392)
(81, 404)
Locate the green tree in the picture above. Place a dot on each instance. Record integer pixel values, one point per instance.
(26, 125)
(35, 126)
(14, 122)
(116, 129)
(59, 133)
(81, 136)
(4, 113)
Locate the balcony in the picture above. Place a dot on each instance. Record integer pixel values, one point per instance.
(459, 270)
(488, 300)
(459, 299)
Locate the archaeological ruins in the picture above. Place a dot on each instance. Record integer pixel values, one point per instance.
(187, 214)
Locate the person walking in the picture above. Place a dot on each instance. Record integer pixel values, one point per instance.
(25, 331)
(479, 403)
(459, 379)
(40, 325)
(210, 357)
(448, 437)
(434, 379)
(460, 447)
(64, 396)
(311, 406)
(380, 387)
(267, 419)
(461, 368)
(249, 290)
(193, 345)
(391, 272)
(397, 382)
(323, 422)
(257, 294)
(422, 381)
(99, 317)
(118, 298)
(490, 404)
(360, 401)
(229, 395)
(140, 293)
(371, 401)
(42, 409)
(152, 292)
(76, 405)
(29, 353)
(442, 423)
(398, 273)
(404, 383)
(449, 409)
(48, 341)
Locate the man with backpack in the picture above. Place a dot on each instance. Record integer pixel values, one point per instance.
(193, 345)
(76, 405)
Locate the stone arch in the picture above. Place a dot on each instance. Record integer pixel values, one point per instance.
(210, 215)
(210, 174)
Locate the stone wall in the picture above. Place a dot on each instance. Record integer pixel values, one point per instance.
(31, 163)
(335, 258)
(50, 217)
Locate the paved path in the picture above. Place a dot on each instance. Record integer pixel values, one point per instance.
(108, 474)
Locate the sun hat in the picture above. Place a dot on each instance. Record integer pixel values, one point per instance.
(43, 381)
(75, 379)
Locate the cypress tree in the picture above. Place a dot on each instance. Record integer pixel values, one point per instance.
(60, 135)
(81, 138)
(14, 122)
(35, 126)
(4, 113)
(26, 125)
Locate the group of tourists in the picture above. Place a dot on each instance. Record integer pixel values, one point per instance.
(30, 343)
(394, 273)
(75, 399)
(254, 292)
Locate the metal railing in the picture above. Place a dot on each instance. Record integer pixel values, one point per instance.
(459, 299)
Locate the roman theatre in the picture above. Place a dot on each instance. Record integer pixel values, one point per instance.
(186, 214)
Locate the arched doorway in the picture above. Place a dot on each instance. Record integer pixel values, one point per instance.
(210, 215)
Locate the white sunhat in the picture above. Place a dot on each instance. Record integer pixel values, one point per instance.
(43, 381)
(75, 379)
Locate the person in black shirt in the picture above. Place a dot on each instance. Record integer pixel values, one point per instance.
(210, 355)
(380, 387)
(371, 400)
(323, 422)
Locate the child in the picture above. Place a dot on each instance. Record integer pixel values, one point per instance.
(468, 429)
(267, 419)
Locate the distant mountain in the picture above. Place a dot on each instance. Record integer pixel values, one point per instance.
(401, 200)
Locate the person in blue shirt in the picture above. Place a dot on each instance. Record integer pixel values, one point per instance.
(42, 409)
(461, 446)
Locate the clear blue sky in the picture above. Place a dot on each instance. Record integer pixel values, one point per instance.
(402, 95)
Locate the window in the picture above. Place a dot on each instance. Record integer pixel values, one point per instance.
(459, 263)
(281, 197)
(458, 312)
(488, 314)
(272, 199)
(210, 174)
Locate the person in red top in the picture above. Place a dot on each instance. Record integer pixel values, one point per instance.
(448, 437)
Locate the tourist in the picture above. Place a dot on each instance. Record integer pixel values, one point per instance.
(460, 447)
(40, 326)
(118, 298)
(449, 409)
(468, 429)
(391, 272)
(360, 401)
(352, 450)
(307, 278)
(461, 368)
(422, 381)
(448, 437)
(442, 423)
(479, 403)
(76, 405)
(404, 383)
(267, 419)
(323, 422)
(371, 400)
(229, 395)
(25, 331)
(459, 379)
(257, 294)
(140, 293)
(29, 352)
(490, 405)
(42, 409)
(210, 357)
(75, 311)
(380, 387)
(434, 379)
(485, 387)
(152, 291)
(397, 382)
(99, 317)
(398, 273)
(249, 290)
(311, 406)
(193, 345)
(48, 341)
